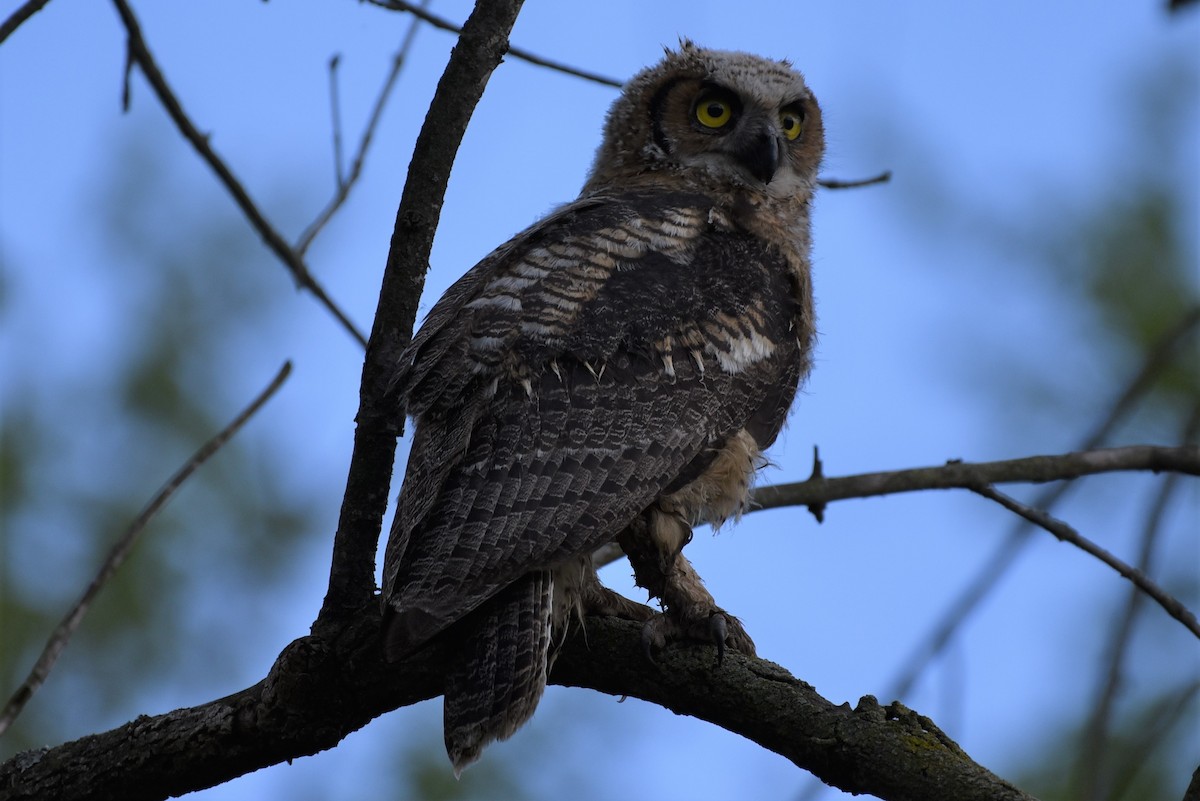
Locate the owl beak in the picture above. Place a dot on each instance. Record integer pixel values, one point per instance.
(759, 154)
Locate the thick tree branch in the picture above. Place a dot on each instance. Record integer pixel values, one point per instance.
(320, 690)
(139, 53)
(481, 46)
(967, 475)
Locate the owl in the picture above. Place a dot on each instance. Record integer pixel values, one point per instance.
(612, 373)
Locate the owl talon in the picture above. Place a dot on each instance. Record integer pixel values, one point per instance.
(653, 637)
(719, 630)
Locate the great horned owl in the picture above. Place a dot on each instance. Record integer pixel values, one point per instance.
(612, 373)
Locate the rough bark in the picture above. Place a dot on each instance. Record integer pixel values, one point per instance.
(321, 689)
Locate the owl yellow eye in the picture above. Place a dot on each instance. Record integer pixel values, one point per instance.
(714, 112)
(792, 122)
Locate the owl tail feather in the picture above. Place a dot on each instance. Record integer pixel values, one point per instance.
(498, 675)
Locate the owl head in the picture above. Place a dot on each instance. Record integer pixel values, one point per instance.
(713, 120)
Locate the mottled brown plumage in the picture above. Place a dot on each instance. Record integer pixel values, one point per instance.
(612, 373)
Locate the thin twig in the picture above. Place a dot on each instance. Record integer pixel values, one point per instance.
(295, 264)
(20, 15)
(966, 475)
(1094, 767)
(1161, 719)
(335, 111)
(345, 185)
(1004, 556)
(444, 24)
(833, 183)
(121, 550)
(1065, 533)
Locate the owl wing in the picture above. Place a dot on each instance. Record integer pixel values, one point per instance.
(590, 365)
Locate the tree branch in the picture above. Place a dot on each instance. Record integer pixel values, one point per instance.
(444, 24)
(834, 183)
(1065, 533)
(321, 690)
(1094, 769)
(347, 182)
(481, 46)
(121, 550)
(19, 16)
(966, 475)
(139, 53)
(1004, 556)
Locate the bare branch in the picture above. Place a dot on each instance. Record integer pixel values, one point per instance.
(19, 16)
(1065, 533)
(320, 690)
(443, 24)
(345, 184)
(1004, 556)
(335, 111)
(121, 550)
(833, 183)
(139, 52)
(965, 475)
(1094, 767)
(481, 46)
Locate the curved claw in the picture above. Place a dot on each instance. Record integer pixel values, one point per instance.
(648, 643)
(718, 629)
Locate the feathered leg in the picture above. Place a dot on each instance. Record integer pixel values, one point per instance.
(654, 544)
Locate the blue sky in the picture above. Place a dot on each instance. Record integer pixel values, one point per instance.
(1001, 112)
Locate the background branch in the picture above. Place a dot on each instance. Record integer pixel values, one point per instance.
(347, 182)
(139, 53)
(1094, 767)
(1159, 357)
(23, 13)
(1064, 532)
(444, 24)
(121, 550)
(834, 183)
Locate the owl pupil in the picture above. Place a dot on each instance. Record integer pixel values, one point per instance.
(715, 109)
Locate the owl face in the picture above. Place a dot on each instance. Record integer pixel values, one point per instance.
(719, 120)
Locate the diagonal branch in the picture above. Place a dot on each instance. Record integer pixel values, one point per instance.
(1094, 769)
(482, 44)
(444, 24)
(139, 53)
(1067, 534)
(121, 550)
(321, 690)
(19, 16)
(1004, 556)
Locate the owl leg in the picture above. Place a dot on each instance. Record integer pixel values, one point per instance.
(600, 600)
(653, 544)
